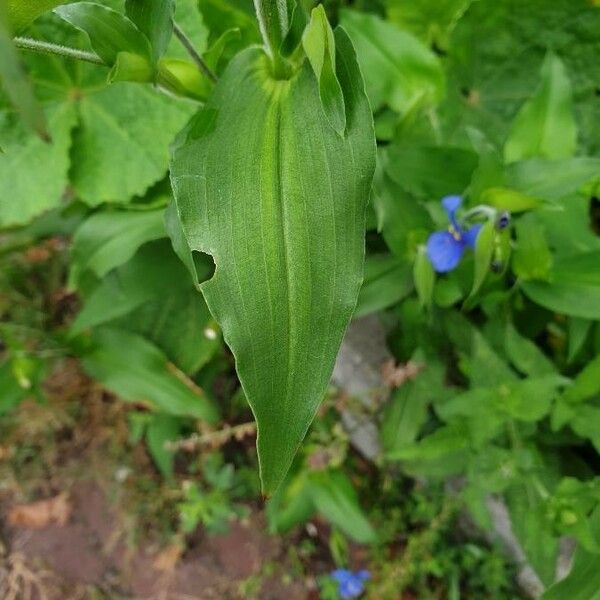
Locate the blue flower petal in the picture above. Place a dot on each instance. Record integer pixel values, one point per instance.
(451, 204)
(444, 251)
(470, 236)
(341, 575)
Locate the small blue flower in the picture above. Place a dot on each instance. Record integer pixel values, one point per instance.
(350, 585)
(445, 248)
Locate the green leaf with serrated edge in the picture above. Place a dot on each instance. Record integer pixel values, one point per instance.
(545, 125)
(138, 371)
(286, 231)
(109, 239)
(15, 82)
(154, 18)
(319, 44)
(23, 12)
(424, 278)
(484, 250)
(399, 69)
(109, 32)
(33, 174)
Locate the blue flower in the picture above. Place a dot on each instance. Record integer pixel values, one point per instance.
(445, 248)
(350, 585)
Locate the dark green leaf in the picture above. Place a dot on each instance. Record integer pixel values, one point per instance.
(424, 278)
(154, 18)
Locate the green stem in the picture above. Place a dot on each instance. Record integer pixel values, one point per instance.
(189, 47)
(273, 22)
(50, 48)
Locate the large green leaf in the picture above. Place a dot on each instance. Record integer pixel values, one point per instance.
(22, 12)
(265, 185)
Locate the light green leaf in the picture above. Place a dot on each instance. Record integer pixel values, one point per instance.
(524, 355)
(531, 258)
(154, 18)
(334, 497)
(319, 45)
(399, 69)
(16, 83)
(484, 250)
(286, 233)
(507, 199)
(424, 277)
(137, 371)
(587, 383)
(122, 142)
(23, 197)
(23, 12)
(109, 32)
(545, 125)
(109, 239)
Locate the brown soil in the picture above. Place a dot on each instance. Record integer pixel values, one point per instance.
(69, 532)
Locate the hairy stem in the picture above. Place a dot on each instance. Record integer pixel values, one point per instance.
(49, 48)
(187, 44)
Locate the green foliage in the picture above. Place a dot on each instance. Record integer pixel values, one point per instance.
(262, 236)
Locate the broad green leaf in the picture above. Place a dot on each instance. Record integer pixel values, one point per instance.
(109, 239)
(387, 280)
(23, 12)
(484, 250)
(285, 231)
(154, 18)
(424, 278)
(399, 69)
(319, 45)
(585, 422)
(22, 196)
(579, 268)
(531, 258)
(573, 299)
(109, 32)
(529, 400)
(583, 581)
(334, 497)
(545, 125)
(138, 371)
(122, 142)
(190, 20)
(15, 82)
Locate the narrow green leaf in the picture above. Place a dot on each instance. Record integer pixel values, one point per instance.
(163, 428)
(335, 498)
(319, 45)
(109, 32)
(424, 278)
(154, 18)
(16, 83)
(587, 383)
(507, 199)
(545, 125)
(137, 371)
(484, 250)
(286, 232)
(273, 18)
